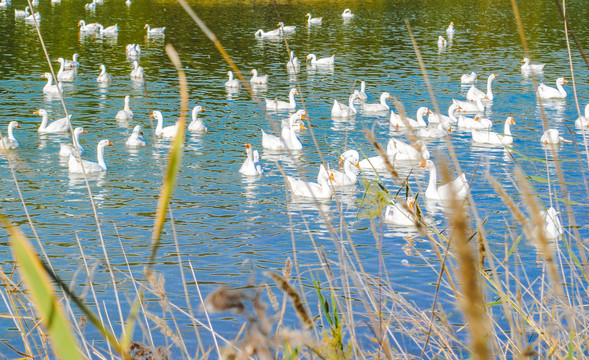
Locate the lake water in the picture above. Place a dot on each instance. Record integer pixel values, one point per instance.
(226, 223)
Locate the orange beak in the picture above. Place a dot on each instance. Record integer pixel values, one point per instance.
(429, 111)
(19, 126)
(331, 177)
(303, 117)
(84, 132)
(203, 110)
(247, 146)
(110, 144)
(358, 165)
(512, 121)
(423, 163)
(37, 112)
(302, 127)
(341, 159)
(411, 205)
(476, 118)
(523, 60)
(564, 80)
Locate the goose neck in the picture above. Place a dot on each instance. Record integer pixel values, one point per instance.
(100, 156)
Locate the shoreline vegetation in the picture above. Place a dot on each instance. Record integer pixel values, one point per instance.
(51, 316)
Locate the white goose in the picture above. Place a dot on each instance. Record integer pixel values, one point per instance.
(381, 106)
(88, 28)
(477, 123)
(397, 122)
(57, 126)
(9, 142)
(65, 74)
(451, 119)
(137, 73)
(344, 111)
(133, 50)
(339, 179)
(288, 138)
(168, 131)
(74, 148)
(450, 30)
(466, 79)
(583, 121)
(547, 92)
(552, 226)
(261, 34)
(51, 88)
(470, 106)
(309, 189)
(36, 16)
(103, 77)
(531, 68)
(21, 13)
(111, 30)
(136, 137)
(286, 29)
(293, 65)
(327, 61)
(313, 21)
(347, 14)
(401, 215)
(251, 166)
(442, 42)
(277, 105)
(361, 94)
(154, 31)
(75, 166)
(125, 114)
(401, 151)
(197, 125)
(474, 93)
(232, 83)
(455, 189)
(434, 132)
(552, 136)
(73, 63)
(258, 80)
(488, 137)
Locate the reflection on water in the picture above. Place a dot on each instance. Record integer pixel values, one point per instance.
(223, 218)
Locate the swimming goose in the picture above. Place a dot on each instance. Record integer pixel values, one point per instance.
(154, 31)
(451, 119)
(104, 77)
(547, 92)
(401, 214)
(478, 123)
(92, 27)
(65, 74)
(347, 14)
(293, 65)
(21, 13)
(434, 132)
(313, 21)
(133, 50)
(552, 136)
(73, 63)
(126, 113)
(277, 105)
(57, 126)
(232, 83)
(137, 73)
(111, 30)
(309, 189)
(74, 148)
(474, 93)
(583, 121)
(36, 16)
(197, 124)
(251, 166)
(450, 30)
(401, 151)
(379, 107)
(258, 80)
(466, 79)
(286, 29)
(488, 137)
(552, 225)
(321, 62)
(168, 131)
(4, 3)
(261, 34)
(136, 137)
(90, 6)
(344, 111)
(470, 106)
(455, 189)
(442, 42)
(51, 88)
(361, 94)
(74, 165)
(528, 67)
(347, 177)
(288, 138)
(397, 122)
(9, 142)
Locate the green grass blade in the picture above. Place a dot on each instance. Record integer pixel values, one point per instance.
(39, 287)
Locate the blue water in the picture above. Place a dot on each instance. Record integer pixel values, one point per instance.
(226, 223)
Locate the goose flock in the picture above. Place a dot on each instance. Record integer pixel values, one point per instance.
(467, 114)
